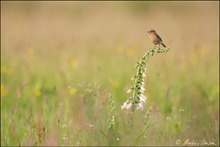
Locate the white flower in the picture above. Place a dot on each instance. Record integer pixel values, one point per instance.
(126, 105)
(142, 89)
(129, 90)
(140, 106)
(142, 98)
(167, 118)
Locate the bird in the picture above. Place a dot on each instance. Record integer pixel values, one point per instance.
(155, 38)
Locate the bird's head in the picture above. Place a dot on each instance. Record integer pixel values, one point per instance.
(151, 31)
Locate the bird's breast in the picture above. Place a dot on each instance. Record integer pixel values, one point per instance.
(154, 39)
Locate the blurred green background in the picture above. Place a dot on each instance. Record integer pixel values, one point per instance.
(60, 61)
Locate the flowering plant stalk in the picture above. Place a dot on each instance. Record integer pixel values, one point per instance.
(138, 98)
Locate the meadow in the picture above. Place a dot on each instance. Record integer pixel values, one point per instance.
(66, 68)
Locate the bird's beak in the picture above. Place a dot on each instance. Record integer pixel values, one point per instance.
(148, 31)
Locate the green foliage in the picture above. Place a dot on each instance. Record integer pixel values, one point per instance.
(60, 61)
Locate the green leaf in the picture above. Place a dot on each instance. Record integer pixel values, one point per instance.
(177, 127)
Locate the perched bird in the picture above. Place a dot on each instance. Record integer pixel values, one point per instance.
(155, 38)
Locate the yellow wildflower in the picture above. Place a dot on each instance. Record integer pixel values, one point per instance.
(4, 91)
(6, 70)
(72, 91)
(73, 63)
(37, 93)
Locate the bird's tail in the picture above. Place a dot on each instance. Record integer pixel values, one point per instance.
(163, 45)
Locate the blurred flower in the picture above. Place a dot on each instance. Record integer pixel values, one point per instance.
(6, 70)
(72, 91)
(181, 110)
(73, 63)
(142, 89)
(140, 106)
(64, 126)
(88, 90)
(65, 139)
(167, 118)
(91, 126)
(129, 90)
(37, 93)
(142, 98)
(126, 105)
(4, 92)
(79, 142)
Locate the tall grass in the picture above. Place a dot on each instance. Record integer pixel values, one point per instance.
(61, 60)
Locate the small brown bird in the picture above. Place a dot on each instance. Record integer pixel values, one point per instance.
(155, 38)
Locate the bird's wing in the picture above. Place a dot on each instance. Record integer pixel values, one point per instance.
(158, 37)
